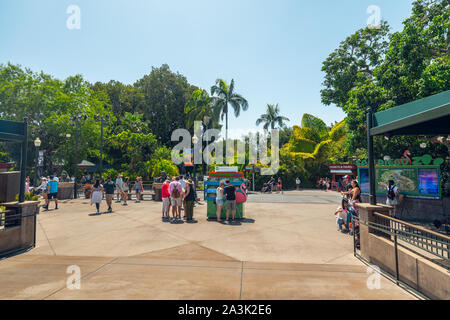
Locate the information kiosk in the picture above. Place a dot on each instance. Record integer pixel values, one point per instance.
(210, 192)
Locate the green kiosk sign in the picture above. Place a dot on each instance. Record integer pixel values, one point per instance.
(416, 177)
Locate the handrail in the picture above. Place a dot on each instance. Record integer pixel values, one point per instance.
(437, 234)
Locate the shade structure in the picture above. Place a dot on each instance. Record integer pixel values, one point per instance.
(427, 116)
(14, 131)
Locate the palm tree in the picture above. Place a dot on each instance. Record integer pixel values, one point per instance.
(272, 117)
(199, 108)
(224, 96)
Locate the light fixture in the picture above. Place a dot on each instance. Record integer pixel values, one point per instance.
(37, 142)
(206, 119)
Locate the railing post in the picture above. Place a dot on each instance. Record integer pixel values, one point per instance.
(396, 257)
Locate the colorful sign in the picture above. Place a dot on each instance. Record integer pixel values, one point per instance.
(187, 157)
(405, 161)
(412, 181)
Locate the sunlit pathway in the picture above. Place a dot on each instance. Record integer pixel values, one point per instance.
(283, 251)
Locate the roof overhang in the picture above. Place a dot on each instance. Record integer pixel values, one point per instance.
(428, 116)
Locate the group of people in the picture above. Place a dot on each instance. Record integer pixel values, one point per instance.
(273, 185)
(178, 194)
(105, 189)
(49, 190)
(226, 192)
(324, 184)
(347, 213)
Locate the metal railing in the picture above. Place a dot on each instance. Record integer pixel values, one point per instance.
(429, 244)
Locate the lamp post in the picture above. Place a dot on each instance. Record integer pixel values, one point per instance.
(76, 121)
(37, 144)
(102, 120)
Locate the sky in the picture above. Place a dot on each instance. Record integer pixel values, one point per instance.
(272, 49)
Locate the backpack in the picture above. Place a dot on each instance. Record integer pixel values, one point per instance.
(391, 193)
(175, 193)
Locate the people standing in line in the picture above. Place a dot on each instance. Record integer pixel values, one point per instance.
(119, 190)
(392, 195)
(138, 188)
(176, 193)
(165, 196)
(230, 204)
(97, 195)
(52, 191)
(125, 190)
(109, 186)
(189, 199)
(297, 183)
(219, 201)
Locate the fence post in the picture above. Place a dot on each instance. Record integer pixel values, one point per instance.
(396, 257)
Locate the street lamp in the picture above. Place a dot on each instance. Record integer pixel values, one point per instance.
(37, 144)
(102, 119)
(76, 121)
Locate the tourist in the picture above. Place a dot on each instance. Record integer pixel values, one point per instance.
(280, 185)
(189, 199)
(354, 192)
(219, 200)
(138, 188)
(392, 194)
(183, 186)
(97, 195)
(109, 186)
(119, 183)
(230, 192)
(342, 216)
(165, 196)
(125, 190)
(297, 183)
(27, 184)
(175, 192)
(83, 180)
(44, 187)
(52, 191)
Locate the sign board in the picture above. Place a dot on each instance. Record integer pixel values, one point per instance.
(422, 182)
(227, 169)
(187, 157)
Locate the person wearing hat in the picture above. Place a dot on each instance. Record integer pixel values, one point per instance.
(189, 199)
(165, 196)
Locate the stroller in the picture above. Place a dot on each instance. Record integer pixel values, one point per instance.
(267, 188)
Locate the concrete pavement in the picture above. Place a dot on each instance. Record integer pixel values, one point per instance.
(284, 250)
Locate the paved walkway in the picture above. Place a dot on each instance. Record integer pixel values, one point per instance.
(283, 251)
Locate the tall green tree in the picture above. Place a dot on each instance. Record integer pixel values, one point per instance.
(375, 70)
(223, 96)
(200, 108)
(272, 118)
(165, 96)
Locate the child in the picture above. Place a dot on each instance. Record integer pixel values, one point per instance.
(341, 216)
